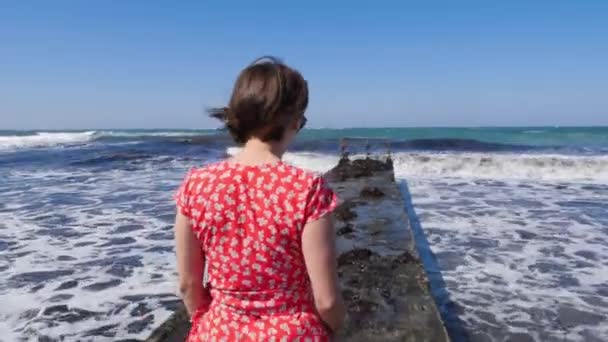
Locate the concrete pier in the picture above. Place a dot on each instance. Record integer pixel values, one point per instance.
(384, 284)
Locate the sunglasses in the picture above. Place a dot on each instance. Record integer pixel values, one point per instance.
(303, 123)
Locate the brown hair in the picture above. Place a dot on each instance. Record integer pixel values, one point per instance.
(266, 97)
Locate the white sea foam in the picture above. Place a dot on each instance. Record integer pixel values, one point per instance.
(541, 167)
(315, 162)
(44, 139)
(529, 167)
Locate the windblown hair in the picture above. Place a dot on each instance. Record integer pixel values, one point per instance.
(267, 96)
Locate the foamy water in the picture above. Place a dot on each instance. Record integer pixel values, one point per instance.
(525, 167)
(87, 252)
(100, 243)
(519, 256)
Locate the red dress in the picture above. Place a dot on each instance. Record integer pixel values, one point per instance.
(249, 221)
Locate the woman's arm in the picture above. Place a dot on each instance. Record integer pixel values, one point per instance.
(318, 247)
(190, 265)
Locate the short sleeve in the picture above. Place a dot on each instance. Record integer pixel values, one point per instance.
(183, 196)
(321, 200)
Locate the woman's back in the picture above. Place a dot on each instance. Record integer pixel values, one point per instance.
(260, 226)
(249, 222)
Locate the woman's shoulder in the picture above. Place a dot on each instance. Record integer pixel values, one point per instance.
(299, 175)
(214, 167)
(199, 174)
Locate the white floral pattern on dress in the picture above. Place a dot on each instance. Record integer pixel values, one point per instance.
(249, 221)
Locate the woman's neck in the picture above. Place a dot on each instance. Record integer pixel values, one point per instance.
(256, 151)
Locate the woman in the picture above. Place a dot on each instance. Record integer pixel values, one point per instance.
(263, 227)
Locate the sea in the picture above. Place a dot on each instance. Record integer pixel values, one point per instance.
(511, 225)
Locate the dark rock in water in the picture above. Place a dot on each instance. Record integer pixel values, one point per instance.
(119, 241)
(140, 325)
(103, 331)
(67, 285)
(19, 280)
(354, 255)
(103, 285)
(60, 297)
(345, 211)
(65, 258)
(347, 229)
(140, 310)
(571, 317)
(525, 234)
(371, 192)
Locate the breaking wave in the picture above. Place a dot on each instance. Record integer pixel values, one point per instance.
(534, 167)
(45, 139)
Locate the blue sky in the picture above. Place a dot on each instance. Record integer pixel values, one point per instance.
(158, 64)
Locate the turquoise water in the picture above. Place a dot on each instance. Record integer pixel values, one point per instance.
(537, 136)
